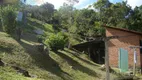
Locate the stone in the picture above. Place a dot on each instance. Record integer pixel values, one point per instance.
(103, 68)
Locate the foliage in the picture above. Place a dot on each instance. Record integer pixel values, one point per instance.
(66, 16)
(56, 41)
(8, 19)
(134, 21)
(43, 12)
(112, 14)
(86, 23)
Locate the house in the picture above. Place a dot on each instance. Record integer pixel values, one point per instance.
(125, 40)
(120, 52)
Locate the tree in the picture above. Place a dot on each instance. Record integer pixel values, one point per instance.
(65, 12)
(103, 10)
(134, 21)
(47, 11)
(67, 18)
(112, 14)
(43, 12)
(85, 22)
(9, 19)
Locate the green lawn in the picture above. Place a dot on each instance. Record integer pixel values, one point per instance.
(34, 24)
(7, 73)
(63, 65)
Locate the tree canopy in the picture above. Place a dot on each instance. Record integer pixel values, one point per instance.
(86, 23)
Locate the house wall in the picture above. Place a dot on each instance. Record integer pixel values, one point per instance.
(130, 39)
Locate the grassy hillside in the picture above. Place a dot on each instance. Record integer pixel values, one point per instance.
(66, 64)
(7, 73)
(63, 65)
(33, 24)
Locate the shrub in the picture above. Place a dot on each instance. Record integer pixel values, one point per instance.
(9, 19)
(56, 41)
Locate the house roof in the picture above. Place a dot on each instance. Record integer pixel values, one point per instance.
(122, 29)
(95, 41)
(101, 39)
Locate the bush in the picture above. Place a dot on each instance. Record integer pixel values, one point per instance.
(56, 41)
(9, 19)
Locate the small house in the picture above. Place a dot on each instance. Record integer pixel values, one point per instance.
(124, 50)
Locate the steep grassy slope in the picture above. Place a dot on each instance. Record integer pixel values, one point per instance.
(7, 73)
(12, 53)
(33, 24)
(66, 64)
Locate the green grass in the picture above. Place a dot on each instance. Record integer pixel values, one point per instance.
(63, 65)
(7, 73)
(34, 24)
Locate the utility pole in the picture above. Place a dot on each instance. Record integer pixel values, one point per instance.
(106, 49)
(135, 57)
(107, 55)
(107, 59)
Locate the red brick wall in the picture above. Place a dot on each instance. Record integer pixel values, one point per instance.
(123, 42)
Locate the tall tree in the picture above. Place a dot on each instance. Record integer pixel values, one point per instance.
(134, 20)
(85, 23)
(43, 12)
(112, 14)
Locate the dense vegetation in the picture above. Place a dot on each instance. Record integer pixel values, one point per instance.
(87, 23)
(81, 24)
(56, 41)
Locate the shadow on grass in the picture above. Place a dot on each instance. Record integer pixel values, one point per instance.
(7, 50)
(44, 61)
(76, 55)
(76, 66)
(30, 37)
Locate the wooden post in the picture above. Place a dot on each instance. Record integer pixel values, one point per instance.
(89, 53)
(135, 55)
(107, 60)
(107, 55)
(134, 67)
(19, 34)
(99, 57)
